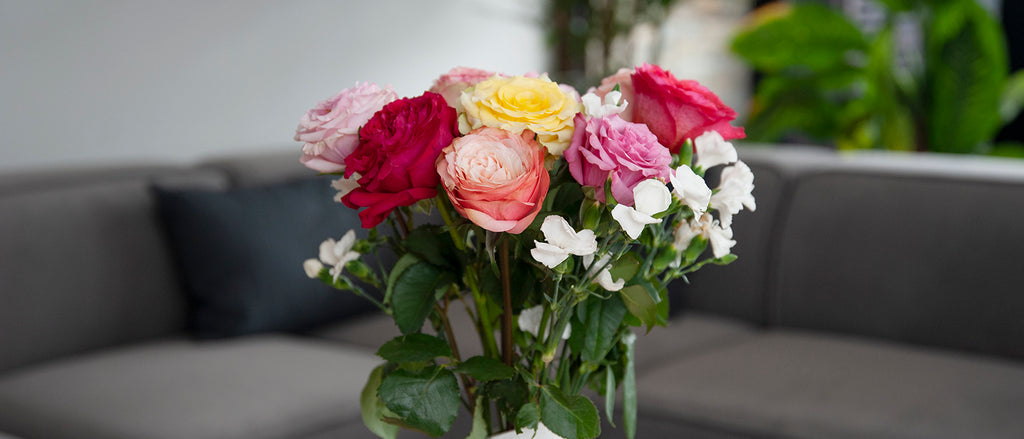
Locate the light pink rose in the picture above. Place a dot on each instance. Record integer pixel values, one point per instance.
(451, 84)
(624, 80)
(609, 147)
(330, 132)
(494, 178)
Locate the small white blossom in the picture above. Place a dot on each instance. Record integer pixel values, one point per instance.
(604, 278)
(562, 241)
(345, 185)
(650, 198)
(719, 236)
(529, 321)
(312, 267)
(338, 253)
(691, 189)
(713, 150)
(593, 107)
(734, 192)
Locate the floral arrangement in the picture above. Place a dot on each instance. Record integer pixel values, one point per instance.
(591, 204)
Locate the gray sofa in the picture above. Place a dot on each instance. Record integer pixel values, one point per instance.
(876, 296)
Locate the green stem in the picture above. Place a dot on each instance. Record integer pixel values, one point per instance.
(442, 206)
(506, 314)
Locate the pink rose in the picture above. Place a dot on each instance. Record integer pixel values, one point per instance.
(495, 178)
(676, 110)
(330, 131)
(624, 80)
(451, 84)
(396, 154)
(609, 147)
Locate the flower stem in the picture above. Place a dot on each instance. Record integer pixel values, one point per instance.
(442, 206)
(506, 294)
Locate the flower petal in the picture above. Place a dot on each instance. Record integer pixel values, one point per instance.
(691, 189)
(558, 232)
(631, 221)
(548, 254)
(713, 150)
(651, 197)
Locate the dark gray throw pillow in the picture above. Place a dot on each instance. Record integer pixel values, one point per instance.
(240, 253)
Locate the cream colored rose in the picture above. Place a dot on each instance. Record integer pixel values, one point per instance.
(519, 103)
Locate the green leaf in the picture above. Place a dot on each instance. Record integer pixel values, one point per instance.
(403, 263)
(373, 408)
(609, 395)
(626, 267)
(1012, 100)
(602, 319)
(484, 369)
(807, 35)
(414, 291)
(433, 245)
(508, 395)
(629, 387)
(479, 430)
(569, 416)
(414, 348)
(528, 416)
(640, 304)
(426, 400)
(967, 71)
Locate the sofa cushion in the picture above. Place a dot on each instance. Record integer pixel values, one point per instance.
(84, 262)
(917, 249)
(241, 253)
(254, 387)
(807, 385)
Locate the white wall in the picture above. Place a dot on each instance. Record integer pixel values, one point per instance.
(103, 81)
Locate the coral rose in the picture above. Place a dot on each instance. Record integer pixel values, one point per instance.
(609, 147)
(495, 178)
(451, 84)
(396, 154)
(520, 103)
(676, 110)
(330, 131)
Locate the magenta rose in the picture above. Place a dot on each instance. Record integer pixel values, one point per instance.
(676, 110)
(330, 132)
(609, 147)
(451, 84)
(396, 154)
(495, 178)
(623, 79)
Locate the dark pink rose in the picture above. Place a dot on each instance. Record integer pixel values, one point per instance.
(330, 132)
(395, 157)
(609, 147)
(623, 79)
(676, 110)
(451, 84)
(495, 178)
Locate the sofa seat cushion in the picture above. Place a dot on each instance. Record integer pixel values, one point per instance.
(251, 387)
(802, 385)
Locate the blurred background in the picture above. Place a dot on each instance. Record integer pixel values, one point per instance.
(113, 81)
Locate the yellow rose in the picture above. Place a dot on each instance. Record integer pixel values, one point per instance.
(519, 103)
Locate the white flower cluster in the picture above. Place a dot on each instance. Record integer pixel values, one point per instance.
(562, 241)
(335, 254)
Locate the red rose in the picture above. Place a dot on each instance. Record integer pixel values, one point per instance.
(676, 110)
(395, 157)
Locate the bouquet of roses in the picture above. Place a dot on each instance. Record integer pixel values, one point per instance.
(591, 204)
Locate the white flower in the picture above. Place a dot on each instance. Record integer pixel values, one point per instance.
(529, 321)
(734, 192)
(312, 267)
(345, 185)
(650, 197)
(713, 150)
(719, 236)
(691, 189)
(604, 278)
(593, 107)
(338, 253)
(562, 241)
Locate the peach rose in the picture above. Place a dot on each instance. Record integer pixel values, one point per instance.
(494, 178)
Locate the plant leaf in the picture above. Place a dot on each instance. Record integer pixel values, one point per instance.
(602, 320)
(484, 369)
(640, 304)
(528, 417)
(629, 387)
(609, 395)
(433, 245)
(479, 430)
(427, 400)
(373, 408)
(414, 348)
(414, 291)
(806, 35)
(1013, 97)
(569, 416)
